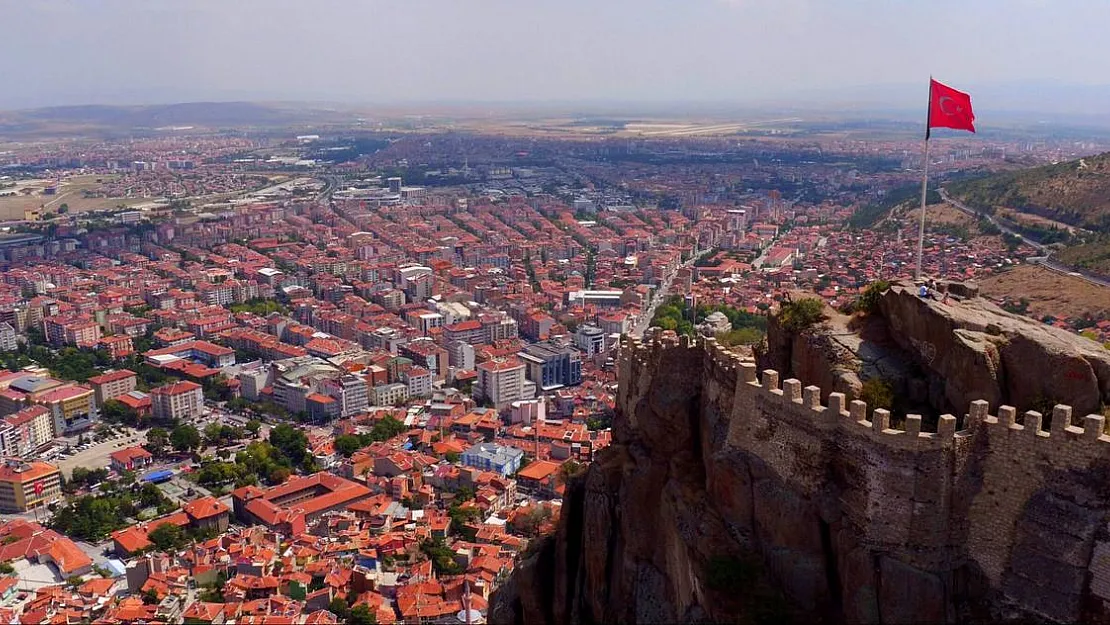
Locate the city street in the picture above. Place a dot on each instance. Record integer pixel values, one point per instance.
(644, 320)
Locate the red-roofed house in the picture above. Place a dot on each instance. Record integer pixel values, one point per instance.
(131, 459)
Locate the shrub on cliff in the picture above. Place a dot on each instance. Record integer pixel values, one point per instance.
(797, 315)
(868, 301)
(878, 394)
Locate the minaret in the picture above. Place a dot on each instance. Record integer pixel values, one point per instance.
(466, 600)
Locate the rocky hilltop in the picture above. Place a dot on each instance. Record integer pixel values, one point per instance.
(729, 496)
(938, 356)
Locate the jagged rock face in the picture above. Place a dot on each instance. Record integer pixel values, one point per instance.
(984, 352)
(721, 496)
(942, 356)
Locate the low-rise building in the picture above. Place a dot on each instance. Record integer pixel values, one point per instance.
(130, 459)
(491, 457)
(298, 501)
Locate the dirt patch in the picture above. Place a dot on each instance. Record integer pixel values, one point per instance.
(943, 214)
(1048, 292)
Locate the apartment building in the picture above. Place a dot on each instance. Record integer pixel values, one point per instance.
(179, 400)
(425, 353)
(552, 366)
(73, 408)
(389, 394)
(112, 384)
(419, 381)
(500, 381)
(8, 342)
(350, 391)
(470, 332)
(26, 430)
(75, 331)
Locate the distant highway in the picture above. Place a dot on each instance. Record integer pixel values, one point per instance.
(1044, 260)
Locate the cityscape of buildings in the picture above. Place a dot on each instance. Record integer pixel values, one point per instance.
(302, 389)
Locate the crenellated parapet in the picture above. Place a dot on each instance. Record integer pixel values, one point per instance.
(802, 405)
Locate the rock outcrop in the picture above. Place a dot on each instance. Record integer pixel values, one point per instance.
(940, 356)
(730, 499)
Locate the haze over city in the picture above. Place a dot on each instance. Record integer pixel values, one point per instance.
(1021, 54)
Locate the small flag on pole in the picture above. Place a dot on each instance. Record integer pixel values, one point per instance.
(949, 108)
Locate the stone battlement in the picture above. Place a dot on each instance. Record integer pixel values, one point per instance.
(796, 403)
(981, 491)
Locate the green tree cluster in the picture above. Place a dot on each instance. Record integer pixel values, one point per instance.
(797, 315)
(92, 517)
(185, 438)
(114, 411)
(443, 559)
(216, 388)
(674, 315)
(260, 307)
(83, 477)
(383, 430)
(868, 301)
(878, 393)
(220, 435)
(461, 518)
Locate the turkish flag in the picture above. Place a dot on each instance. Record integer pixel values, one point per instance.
(949, 108)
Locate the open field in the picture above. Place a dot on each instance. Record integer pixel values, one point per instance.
(1029, 219)
(70, 192)
(1049, 292)
(688, 130)
(943, 214)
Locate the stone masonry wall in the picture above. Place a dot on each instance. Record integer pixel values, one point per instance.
(885, 524)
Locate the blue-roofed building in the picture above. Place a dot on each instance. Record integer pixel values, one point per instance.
(492, 457)
(157, 477)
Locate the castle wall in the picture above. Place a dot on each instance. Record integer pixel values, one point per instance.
(889, 524)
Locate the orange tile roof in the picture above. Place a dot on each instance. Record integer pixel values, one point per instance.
(26, 472)
(538, 470)
(175, 388)
(131, 453)
(114, 376)
(204, 508)
(69, 557)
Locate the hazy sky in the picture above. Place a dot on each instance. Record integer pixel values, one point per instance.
(146, 51)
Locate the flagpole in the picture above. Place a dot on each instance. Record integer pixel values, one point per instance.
(924, 185)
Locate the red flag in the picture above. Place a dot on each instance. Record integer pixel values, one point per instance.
(949, 108)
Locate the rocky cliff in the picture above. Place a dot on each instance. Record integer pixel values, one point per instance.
(940, 356)
(727, 498)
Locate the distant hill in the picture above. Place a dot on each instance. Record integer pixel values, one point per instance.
(61, 119)
(1067, 203)
(1076, 193)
